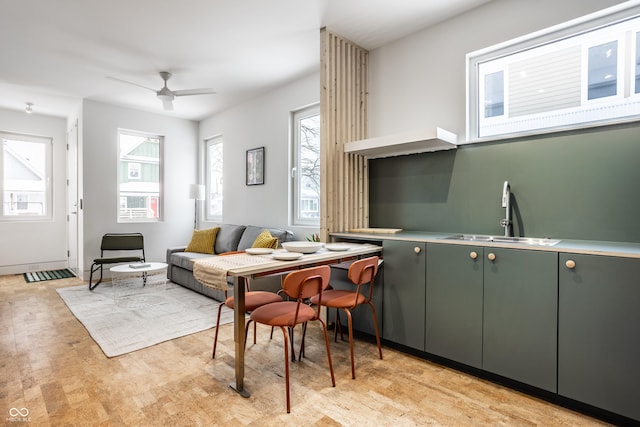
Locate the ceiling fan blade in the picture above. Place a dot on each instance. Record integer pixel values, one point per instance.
(167, 104)
(193, 92)
(130, 83)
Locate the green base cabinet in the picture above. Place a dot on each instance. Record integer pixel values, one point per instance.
(404, 293)
(520, 315)
(599, 332)
(454, 302)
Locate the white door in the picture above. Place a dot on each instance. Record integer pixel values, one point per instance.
(72, 198)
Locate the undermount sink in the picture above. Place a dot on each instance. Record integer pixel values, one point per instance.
(481, 238)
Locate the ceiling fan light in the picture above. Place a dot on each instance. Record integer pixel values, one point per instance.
(165, 98)
(168, 105)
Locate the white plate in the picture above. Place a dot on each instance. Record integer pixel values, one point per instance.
(259, 251)
(303, 247)
(287, 256)
(337, 246)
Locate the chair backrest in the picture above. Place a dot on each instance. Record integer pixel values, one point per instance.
(363, 270)
(305, 283)
(122, 242)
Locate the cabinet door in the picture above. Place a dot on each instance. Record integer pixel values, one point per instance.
(404, 293)
(520, 316)
(599, 340)
(454, 302)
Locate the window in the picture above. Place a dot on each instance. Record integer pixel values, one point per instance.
(134, 170)
(603, 70)
(494, 94)
(305, 171)
(214, 171)
(582, 73)
(26, 177)
(139, 177)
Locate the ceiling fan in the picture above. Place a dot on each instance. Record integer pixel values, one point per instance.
(165, 94)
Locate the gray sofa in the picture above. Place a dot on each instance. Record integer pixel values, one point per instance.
(230, 238)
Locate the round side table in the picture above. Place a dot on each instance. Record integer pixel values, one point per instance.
(138, 285)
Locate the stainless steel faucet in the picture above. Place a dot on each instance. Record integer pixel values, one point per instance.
(506, 204)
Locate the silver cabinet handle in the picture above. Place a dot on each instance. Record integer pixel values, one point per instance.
(417, 249)
(571, 264)
(491, 256)
(473, 255)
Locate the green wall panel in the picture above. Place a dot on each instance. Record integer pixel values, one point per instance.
(572, 185)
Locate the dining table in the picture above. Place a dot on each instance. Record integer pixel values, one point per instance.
(214, 272)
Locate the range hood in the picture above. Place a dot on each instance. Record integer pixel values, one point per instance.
(413, 142)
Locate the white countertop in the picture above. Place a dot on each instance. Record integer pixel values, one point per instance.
(589, 247)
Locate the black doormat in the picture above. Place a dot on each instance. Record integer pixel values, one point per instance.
(41, 276)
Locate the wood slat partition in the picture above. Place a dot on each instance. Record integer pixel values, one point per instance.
(344, 81)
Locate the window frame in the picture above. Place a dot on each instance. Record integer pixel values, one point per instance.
(297, 116)
(160, 197)
(587, 31)
(47, 214)
(208, 214)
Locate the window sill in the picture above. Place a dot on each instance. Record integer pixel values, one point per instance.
(546, 133)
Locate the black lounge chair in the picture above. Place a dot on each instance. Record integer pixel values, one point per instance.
(117, 242)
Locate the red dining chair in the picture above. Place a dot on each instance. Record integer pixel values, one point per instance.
(360, 273)
(298, 285)
(252, 300)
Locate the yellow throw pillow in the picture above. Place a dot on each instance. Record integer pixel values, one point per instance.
(203, 241)
(265, 240)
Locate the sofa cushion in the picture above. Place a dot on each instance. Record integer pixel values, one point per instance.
(265, 240)
(251, 232)
(228, 238)
(185, 259)
(202, 241)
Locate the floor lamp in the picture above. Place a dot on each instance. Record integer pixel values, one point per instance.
(196, 192)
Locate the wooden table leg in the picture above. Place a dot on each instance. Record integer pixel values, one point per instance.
(239, 286)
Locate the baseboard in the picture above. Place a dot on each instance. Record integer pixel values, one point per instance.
(35, 266)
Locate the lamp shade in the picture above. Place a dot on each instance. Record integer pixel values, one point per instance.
(196, 191)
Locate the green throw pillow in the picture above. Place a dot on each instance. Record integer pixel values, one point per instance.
(265, 240)
(203, 241)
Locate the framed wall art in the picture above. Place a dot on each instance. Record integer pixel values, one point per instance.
(255, 166)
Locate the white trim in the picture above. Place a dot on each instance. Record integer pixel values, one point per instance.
(296, 192)
(25, 186)
(214, 140)
(159, 195)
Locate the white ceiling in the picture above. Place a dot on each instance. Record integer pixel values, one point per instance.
(54, 53)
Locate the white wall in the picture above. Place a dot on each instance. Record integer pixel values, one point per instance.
(100, 162)
(37, 245)
(261, 122)
(418, 82)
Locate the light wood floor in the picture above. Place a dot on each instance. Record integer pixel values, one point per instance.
(51, 366)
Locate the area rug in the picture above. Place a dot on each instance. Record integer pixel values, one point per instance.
(40, 276)
(120, 327)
